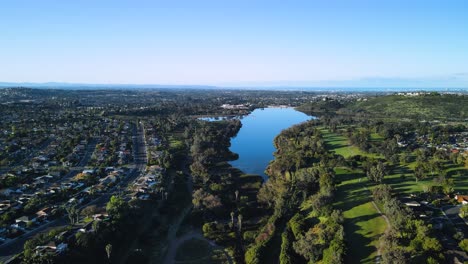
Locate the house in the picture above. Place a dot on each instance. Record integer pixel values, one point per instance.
(100, 217)
(51, 247)
(5, 205)
(142, 196)
(44, 213)
(22, 222)
(108, 180)
(25, 219)
(86, 228)
(89, 172)
(412, 204)
(463, 199)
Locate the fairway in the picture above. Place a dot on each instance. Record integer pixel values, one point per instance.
(341, 146)
(363, 224)
(407, 184)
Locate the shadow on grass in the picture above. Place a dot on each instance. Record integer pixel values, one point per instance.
(358, 246)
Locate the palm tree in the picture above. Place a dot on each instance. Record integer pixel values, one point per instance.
(108, 250)
(239, 222)
(232, 218)
(95, 226)
(73, 213)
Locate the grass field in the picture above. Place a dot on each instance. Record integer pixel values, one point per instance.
(341, 146)
(405, 185)
(363, 224)
(175, 143)
(408, 185)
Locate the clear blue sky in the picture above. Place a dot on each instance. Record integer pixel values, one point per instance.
(223, 42)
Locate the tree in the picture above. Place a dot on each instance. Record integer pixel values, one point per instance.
(431, 245)
(232, 218)
(202, 199)
(108, 250)
(88, 211)
(305, 246)
(464, 211)
(405, 158)
(464, 245)
(117, 208)
(447, 186)
(96, 226)
(376, 172)
(83, 240)
(285, 254)
(197, 198)
(334, 254)
(73, 213)
(266, 194)
(239, 222)
(419, 172)
(381, 193)
(212, 201)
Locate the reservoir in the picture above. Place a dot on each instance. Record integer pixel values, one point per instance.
(254, 142)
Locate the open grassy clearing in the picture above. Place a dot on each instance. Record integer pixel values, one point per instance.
(175, 143)
(363, 224)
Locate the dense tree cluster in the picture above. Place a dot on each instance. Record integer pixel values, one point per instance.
(302, 173)
(407, 236)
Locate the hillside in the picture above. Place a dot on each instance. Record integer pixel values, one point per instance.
(424, 107)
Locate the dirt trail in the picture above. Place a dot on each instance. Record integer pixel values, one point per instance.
(171, 254)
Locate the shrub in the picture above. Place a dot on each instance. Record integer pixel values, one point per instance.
(464, 245)
(249, 235)
(297, 225)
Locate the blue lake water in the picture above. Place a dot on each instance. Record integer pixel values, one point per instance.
(254, 142)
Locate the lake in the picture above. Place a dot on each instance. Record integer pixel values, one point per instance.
(254, 142)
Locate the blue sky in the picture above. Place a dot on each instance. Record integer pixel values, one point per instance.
(236, 43)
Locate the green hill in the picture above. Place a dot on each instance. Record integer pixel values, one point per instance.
(424, 107)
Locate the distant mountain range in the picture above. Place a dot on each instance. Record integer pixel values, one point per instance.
(84, 86)
(361, 85)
